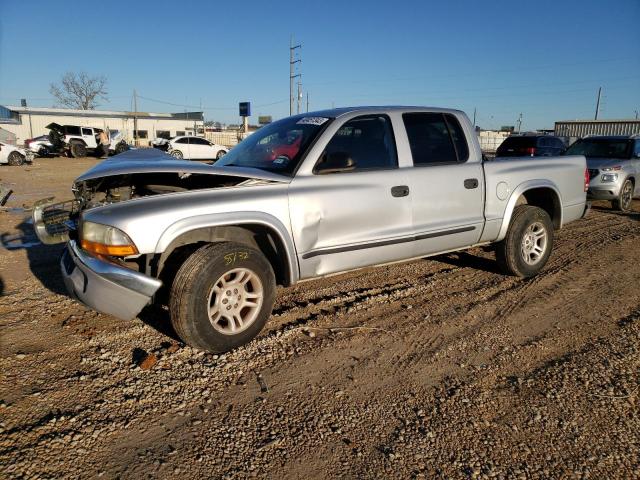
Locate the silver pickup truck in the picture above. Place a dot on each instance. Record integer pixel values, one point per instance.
(306, 196)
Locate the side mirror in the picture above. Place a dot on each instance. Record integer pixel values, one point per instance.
(335, 162)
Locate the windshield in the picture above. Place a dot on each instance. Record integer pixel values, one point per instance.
(601, 147)
(277, 147)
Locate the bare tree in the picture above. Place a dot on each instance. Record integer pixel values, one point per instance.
(79, 90)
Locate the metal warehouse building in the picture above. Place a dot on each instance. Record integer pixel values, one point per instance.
(574, 129)
(141, 127)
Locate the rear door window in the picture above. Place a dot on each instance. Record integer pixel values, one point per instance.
(87, 131)
(435, 138)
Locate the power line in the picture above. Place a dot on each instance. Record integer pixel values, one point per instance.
(473, 74)
(205, 108)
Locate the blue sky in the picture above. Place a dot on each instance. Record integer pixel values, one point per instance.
(544, 59)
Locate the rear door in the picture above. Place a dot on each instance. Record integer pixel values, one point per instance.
(88, 135)
(446, 183)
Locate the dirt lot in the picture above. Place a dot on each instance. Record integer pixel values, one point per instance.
(438, 368)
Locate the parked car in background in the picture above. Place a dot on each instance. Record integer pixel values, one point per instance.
(356, 187)
(78, 141)
(195, 148)
(40, 146)
(614, 168)
(531, 146)
(12, 155)
(161, 143)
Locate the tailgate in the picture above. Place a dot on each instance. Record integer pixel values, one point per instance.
(53, 222)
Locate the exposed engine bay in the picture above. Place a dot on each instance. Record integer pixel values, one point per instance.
(57, 222)
(119, 188)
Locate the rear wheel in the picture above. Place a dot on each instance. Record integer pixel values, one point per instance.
(78, 150)
(623, 203)
(222, 296)
(16, 159)
(528, 243)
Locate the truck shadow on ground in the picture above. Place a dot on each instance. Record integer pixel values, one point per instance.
(633, 214)
(465, 259)
(158, 318)
(43, 259)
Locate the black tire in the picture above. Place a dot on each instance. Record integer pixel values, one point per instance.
(192, 293)
(177, 154)
(625, 197)
(220, 154)
(121, 147)
(515, 248)
(16, 159)
(78, 150)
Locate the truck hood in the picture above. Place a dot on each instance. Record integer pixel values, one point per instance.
(598, 163)
(153, 161)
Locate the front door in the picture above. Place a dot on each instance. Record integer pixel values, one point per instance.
(446, 184)
(355, 215)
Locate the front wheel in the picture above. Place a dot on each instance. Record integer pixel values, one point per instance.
(177, 154)
(16, 159)
(220, 154)
(121, 148)
(528, 243)
(623, 202)
(222, 296)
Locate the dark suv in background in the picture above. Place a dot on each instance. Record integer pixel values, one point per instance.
(531, 146)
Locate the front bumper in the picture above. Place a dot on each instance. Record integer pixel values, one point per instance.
(105, 286)
(599, 190)
(604, 192)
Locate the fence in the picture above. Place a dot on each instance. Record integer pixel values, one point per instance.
(491, 140)
(226, 138)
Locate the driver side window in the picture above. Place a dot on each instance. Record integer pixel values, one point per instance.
(364, 143)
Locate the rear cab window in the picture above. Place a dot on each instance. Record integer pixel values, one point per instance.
(435, 138)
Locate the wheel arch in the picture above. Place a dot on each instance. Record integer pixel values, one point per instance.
(538, 193)
(268, 235)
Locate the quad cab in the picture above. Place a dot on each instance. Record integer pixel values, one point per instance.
(307, 196)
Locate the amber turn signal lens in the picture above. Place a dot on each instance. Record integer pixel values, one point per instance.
(110, 250)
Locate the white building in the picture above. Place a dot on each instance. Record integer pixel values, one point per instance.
(138, 127)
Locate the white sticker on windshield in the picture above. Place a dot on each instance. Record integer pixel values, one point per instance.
(311, 121)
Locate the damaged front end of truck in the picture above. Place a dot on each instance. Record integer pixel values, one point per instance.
(109, 275)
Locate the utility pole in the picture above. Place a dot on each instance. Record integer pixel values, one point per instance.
(634, 111)
(299, 96)
(519, 122)
(474, 116)
(135, 117)
(308, 105)
(598, 103)
(292, 75)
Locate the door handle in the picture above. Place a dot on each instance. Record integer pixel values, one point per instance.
(471, 183)
(400, 191)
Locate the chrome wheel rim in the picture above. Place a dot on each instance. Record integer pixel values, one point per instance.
(235, 301)
(534, 243)
(626, 195)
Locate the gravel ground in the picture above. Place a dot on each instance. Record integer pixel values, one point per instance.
(437, 368)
